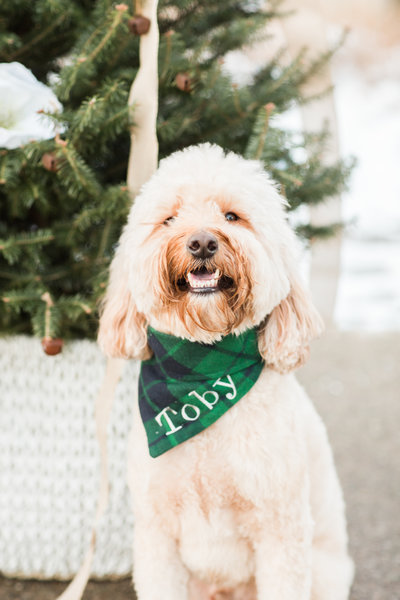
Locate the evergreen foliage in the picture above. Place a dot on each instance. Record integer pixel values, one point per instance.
(59, 226)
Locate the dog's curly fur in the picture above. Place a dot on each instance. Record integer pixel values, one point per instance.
(251, 507)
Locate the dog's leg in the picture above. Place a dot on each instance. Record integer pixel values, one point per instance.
(332, 575)
(283, 559)
(158, 571)
(332, 568)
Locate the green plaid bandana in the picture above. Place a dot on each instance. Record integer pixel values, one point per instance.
(186, 386)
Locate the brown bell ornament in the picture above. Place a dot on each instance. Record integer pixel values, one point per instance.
(49, 161)
(52, 346)
(183, 82)
(139, 25)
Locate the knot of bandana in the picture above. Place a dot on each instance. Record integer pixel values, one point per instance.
(186, 386)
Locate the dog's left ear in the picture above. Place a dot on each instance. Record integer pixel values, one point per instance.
(123, 329)
(285, 335)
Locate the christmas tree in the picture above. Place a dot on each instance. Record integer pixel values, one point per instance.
(64, 200)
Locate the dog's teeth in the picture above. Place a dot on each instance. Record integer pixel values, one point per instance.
(197, 283)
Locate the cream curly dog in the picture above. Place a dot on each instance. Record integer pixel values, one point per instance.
(251, 507)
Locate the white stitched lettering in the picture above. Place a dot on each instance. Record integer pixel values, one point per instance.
(186, 416)
(168, 420)
(191, 412)
(231, 385)
(203, 400)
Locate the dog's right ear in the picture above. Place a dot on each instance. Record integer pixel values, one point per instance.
(123, 329)
(286, 333)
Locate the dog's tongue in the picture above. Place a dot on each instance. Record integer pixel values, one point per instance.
(203, 278)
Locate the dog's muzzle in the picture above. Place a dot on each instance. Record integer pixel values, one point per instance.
(202, 244)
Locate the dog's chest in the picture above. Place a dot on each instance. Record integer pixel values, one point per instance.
(216, 492)
(211, 518)
(208, 485)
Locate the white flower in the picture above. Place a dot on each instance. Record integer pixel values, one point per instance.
(21, 97)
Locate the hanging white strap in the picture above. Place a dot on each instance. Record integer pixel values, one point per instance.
(103, 408)
(143, 101)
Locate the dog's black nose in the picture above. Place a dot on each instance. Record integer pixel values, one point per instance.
(202, 244)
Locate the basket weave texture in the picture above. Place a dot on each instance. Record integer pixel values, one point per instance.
(49, 461)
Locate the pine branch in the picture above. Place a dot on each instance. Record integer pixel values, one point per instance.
(104, 38)
(25, 298)
(59, 226)
(74, 174)
(257, 141)
(13, 246)
(43, 34)
(312, 232)
(118, 18)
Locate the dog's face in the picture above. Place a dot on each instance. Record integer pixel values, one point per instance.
(200, 262)
(207, 251)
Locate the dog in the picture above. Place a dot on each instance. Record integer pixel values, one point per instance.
(249, 507)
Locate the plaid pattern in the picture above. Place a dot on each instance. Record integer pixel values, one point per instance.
(186, 386)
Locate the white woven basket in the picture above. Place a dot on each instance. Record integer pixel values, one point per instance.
(49, 461)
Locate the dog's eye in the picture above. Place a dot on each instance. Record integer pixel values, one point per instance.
(168, 221)
(231, 216)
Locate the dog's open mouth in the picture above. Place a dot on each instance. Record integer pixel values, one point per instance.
(205, 281)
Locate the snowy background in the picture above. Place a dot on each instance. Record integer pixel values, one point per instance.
(367, 103)
(368, 110)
